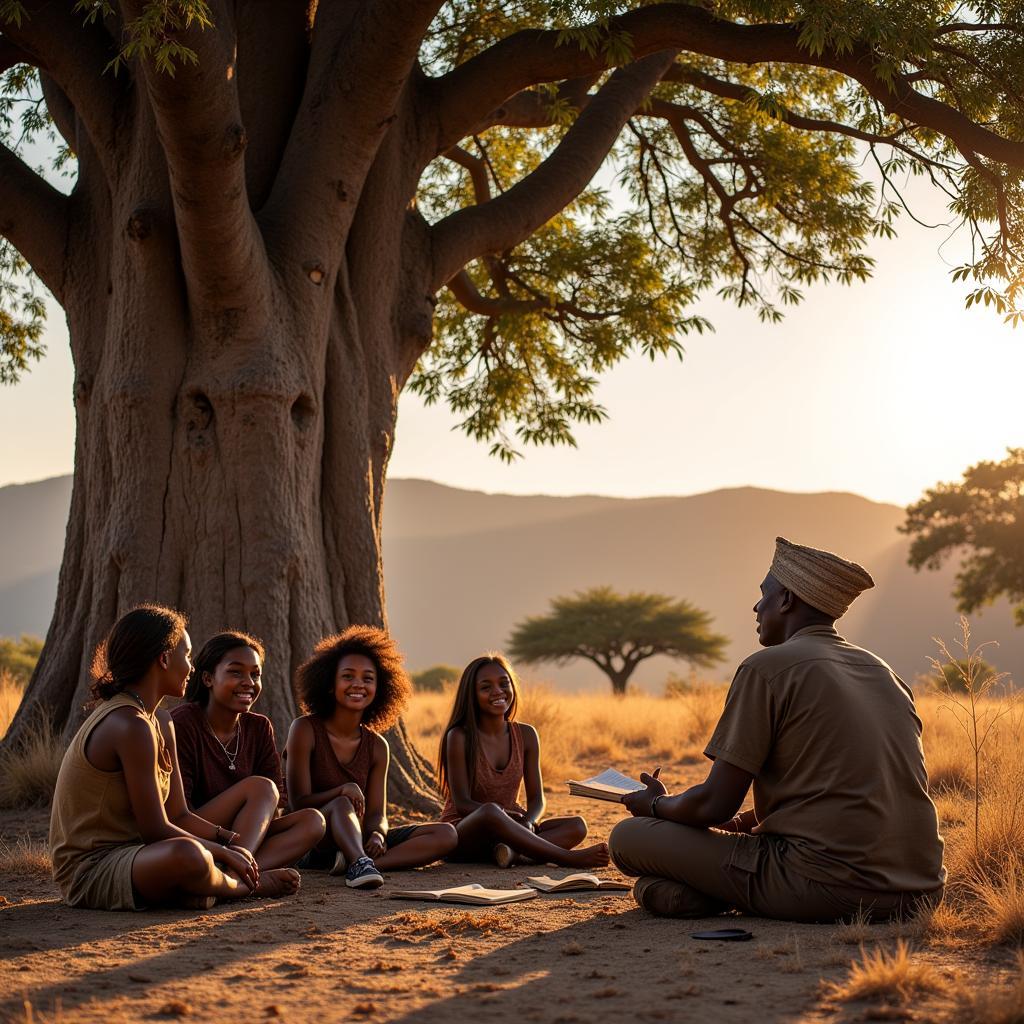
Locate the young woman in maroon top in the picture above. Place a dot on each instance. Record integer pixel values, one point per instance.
(485, 756)
(229, 765)
(352, 688)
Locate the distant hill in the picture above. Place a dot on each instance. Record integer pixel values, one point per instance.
(461, 567)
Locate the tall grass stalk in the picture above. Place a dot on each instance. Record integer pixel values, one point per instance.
(965, 684)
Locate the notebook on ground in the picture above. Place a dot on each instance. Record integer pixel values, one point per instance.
(609, 785)
(475, 894)
(579, 882)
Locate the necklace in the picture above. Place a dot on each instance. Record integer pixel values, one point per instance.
(231, 755)
(138, 700)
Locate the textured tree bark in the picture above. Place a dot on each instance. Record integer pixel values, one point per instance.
(230, 462)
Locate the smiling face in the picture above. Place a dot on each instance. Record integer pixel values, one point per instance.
(236, 681)
(355, 682)
(176, 665)
(495, 691)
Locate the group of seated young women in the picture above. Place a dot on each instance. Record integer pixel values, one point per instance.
(188, 807)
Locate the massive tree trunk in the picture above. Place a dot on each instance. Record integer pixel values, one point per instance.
(232, 446)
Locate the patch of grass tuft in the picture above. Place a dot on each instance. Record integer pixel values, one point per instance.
(893, 977)
(24, 857)
(28, 773)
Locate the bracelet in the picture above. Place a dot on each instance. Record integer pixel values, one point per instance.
(218, 838)
(654, 804)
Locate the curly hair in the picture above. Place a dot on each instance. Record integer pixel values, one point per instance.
(134, 642)
(315, 677)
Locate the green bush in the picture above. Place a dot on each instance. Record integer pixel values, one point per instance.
(19, 657)
(433, 680)
(953, 676)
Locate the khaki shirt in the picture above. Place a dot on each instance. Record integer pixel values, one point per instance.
(830, 734)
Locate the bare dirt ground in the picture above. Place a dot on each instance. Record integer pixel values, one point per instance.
(332, 954)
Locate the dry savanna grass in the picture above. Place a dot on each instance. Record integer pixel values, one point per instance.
(29, 773)
(582, 732)
(24, 857)
(889, 976)
(999, 1005)
(577, 730)
(11, 690)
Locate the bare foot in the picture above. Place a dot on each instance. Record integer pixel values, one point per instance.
(278, 882)
(595, 856)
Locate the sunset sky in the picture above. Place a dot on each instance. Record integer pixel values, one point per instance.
(881, 389)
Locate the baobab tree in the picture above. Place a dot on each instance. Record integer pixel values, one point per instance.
(284, 212)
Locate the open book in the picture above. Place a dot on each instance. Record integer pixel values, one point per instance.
(475, 894)
(609, 785)
(575, 883)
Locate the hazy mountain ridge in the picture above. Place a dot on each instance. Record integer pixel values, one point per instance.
(462, 566)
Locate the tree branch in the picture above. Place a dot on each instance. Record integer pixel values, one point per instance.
(74, 56)
(744, 94)
(505, 221)
(335, 138)
(485, 82)
(533, 109)
(11, 54)
(60, 109)
(34, 219)
(200, 127)
(477, 172)
(468, 295)
(970, 26)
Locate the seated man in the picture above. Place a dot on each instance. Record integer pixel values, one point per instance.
(842, 821)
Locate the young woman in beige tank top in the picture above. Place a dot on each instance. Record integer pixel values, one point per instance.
(484, 759)
(113, 842)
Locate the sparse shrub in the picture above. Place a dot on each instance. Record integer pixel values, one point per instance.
(435, 678)
(1001, 902)
(953, 675)
(970, 702)
(24, 857)
(894, 977)
(19, 657)
(28, 773)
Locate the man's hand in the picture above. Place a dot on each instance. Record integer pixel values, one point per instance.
(639, 803)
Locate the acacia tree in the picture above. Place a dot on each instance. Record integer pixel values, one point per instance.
(286, 211)
(616, 632)
(981, 519)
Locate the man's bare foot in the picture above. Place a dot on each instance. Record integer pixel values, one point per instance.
(595, 856)
(278, 882)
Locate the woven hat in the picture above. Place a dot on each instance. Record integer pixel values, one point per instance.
(824, 580)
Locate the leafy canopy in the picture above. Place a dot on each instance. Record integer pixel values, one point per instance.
(616, 632)
(981, 519)
(751, 181)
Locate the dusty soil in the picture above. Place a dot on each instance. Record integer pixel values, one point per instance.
(331, 954)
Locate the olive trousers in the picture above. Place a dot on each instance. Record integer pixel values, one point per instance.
(695, 872)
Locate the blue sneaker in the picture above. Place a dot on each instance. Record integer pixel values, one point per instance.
(362, 874)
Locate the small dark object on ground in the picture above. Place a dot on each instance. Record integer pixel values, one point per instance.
(724, 935)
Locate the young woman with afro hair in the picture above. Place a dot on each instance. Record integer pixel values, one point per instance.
(352, 689)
